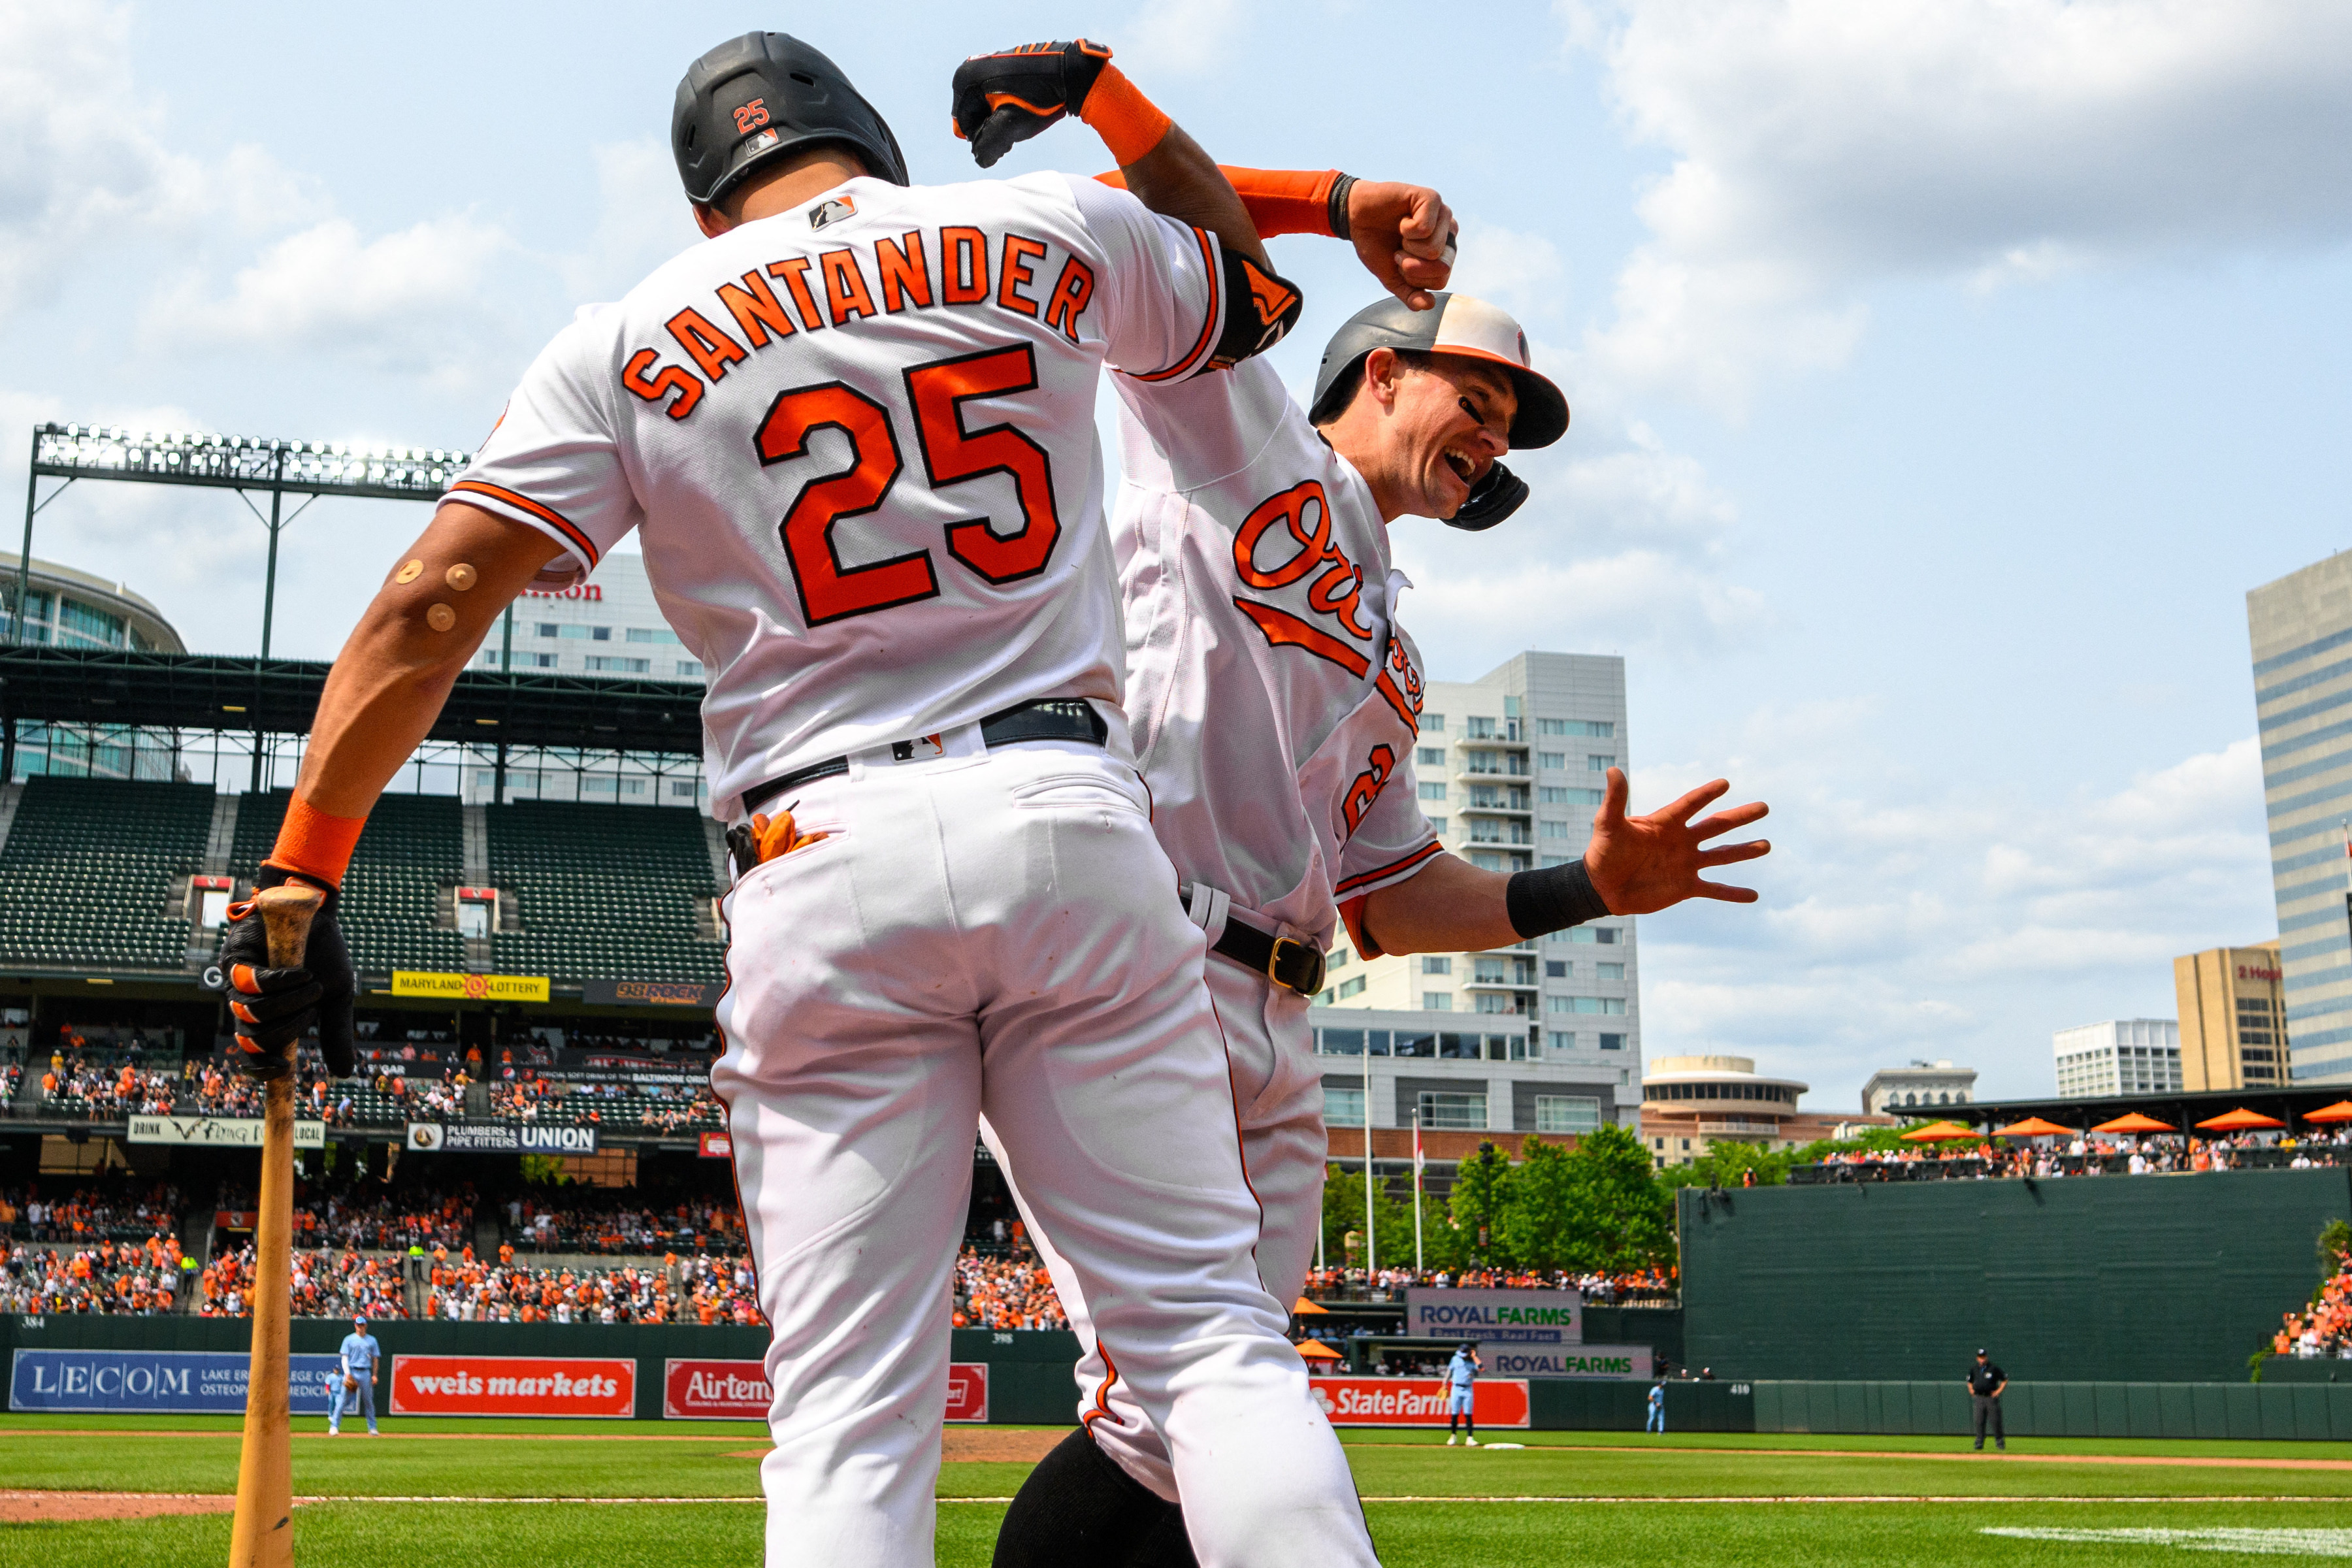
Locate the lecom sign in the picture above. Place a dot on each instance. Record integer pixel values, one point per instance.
(1417, 1401)
(514, 1386)
(739, 1390)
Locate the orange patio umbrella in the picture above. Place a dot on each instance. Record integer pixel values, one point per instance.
(2339, 1112)
(2239, 1120)
(1304, 1305)
(1316, 1349)
(1938, 1133)
(2031, 1127)
(2135, 1122)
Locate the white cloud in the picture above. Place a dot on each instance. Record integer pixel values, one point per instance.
(1177, 36)
(643, 220)
(1520, 272)
(1967, 922)
(407, 302)
(1818, 146)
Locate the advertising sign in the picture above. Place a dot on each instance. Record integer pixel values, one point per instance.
(1417, 1401)
(714, 1146)
(1528, 1319)
(178, 1382)
(469, 987)
(1567, 1361)
(658, 992)
(968, 1391)
(514, 1386)
(218, 1132)
(499, 1138)
(715, 1390)
(739, 1390)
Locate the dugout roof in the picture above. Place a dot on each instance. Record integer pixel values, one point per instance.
(280, 695)
(2181, 1108)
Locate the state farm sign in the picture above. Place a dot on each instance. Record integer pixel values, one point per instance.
(968, 1391)
(514, 1386)
(715, 1390)
(1417, 1401)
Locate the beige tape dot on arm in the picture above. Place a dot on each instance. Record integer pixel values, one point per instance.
(440, 617)
(461, 576)
(409, 572)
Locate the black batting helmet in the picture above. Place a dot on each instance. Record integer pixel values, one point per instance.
(764, 94)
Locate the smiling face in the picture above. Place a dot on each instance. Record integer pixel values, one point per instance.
(1425, 428)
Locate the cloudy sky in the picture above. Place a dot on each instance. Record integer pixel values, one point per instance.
(1945, 372)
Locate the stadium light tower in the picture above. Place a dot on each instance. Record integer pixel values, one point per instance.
(239, 463)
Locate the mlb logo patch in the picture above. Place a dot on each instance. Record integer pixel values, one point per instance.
(832, 211)
(921, 749)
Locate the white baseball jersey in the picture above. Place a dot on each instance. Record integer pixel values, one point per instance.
(1273, 697)
(856, 438)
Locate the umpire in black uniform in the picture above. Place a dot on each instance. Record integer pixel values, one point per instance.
(1985, 1383)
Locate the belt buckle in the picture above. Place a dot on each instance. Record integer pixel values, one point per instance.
(1274, 961)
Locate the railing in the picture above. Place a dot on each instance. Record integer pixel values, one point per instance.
(1971, 1168)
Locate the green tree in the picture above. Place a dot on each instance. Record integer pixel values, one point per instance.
(1343, 1211)
(1622, 1217)
(1481, 1194)
(1539, 1218)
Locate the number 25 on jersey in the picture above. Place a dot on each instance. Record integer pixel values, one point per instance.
(952, 453)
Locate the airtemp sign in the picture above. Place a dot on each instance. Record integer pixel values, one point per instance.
(1530, 1319)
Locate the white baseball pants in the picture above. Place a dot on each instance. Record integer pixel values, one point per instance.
(1276, 1091)
(999, 933)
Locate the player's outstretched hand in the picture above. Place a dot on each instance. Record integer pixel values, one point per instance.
(1406, 235)
(1641, 864)
(273, 1006)
(1013, 94)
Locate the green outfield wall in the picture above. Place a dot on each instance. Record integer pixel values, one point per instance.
(2105, 1279)
(2309, 1411)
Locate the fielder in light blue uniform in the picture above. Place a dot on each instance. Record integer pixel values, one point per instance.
(1460, 1374)
(361, 1356)
(1657, 1421)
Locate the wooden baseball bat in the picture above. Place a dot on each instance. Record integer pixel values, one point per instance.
(263, 1533)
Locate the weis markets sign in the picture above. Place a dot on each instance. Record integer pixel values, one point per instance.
(739, 1390)
(1416, 1401)
(178, 1382)
(514, 1386)
(499, 1138)
(218, 1132)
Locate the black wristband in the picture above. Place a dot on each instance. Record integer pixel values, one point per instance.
(1551, 900)
(1336, 209)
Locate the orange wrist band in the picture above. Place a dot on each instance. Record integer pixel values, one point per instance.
(317, 845)
(1280, 201)
(1130, 124)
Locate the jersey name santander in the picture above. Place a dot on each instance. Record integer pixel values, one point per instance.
(857, 442)
(1274, 700)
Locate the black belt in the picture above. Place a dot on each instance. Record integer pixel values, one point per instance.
(1047, 719)
(1294, 965)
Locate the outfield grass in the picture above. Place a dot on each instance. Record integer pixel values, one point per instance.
(1674, 1524)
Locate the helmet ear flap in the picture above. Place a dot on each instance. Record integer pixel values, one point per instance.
(1494, 498)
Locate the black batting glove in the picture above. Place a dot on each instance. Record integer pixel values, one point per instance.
(1497, 494)
(1011, 95)
(273, 1006)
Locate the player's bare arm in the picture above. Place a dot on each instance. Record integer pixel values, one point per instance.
(1633, 866)
(393, 674)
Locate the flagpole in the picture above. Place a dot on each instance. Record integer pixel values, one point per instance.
(1371, 1236)
(1416, 1191)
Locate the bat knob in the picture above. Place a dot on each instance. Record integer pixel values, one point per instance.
(286, 912)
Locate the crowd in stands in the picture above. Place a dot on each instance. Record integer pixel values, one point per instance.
(2325, 1328)
(682, 1290)
(2051, 1158)
(124, 1209)
(1601, 1288)
(364, 1216)
(1005, 1293)
(324, 1284)
(142, 1280)
(586, 1220)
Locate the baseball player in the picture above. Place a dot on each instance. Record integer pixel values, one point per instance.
(853, 431)
(1461, 1376)
(1275, 701)
(361, 1357)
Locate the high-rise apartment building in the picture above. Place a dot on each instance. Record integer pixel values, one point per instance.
(2302, 632)
(2232, 1017)
(1510, 768)
(2122, 1056)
